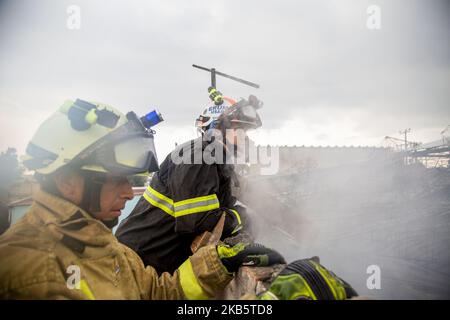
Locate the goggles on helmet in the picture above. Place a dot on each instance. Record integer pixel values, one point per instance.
(244, 114)
(128, 150)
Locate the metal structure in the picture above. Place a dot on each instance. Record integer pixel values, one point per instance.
(431, 155)
(215, 72)
(401, 144)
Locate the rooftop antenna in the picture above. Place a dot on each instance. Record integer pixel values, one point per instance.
(215, 72)
(216, 95)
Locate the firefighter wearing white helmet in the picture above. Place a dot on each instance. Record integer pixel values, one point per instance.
(62, 248)
(96, 139)
(210, 115)
(230, 114)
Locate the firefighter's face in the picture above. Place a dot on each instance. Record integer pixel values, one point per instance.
(115, 192)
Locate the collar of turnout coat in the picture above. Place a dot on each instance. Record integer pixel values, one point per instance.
(70, 224)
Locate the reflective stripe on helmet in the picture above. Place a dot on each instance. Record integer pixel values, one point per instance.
(38, 157)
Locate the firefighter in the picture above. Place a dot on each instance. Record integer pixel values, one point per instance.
(64, 248)
(187, 197)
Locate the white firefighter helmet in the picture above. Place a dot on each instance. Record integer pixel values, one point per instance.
(211, 114)
(91, 136)
(242, 113)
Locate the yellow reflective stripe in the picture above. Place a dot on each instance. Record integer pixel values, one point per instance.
(198, 204)
(159, 195)
(289, 287)
(85, 289)
(197, 209)
(239, 225)
(336, 288)
(194, 200)
(225, 251)
(193, 205)
(159, 205)
(189, 283)
(237, 215)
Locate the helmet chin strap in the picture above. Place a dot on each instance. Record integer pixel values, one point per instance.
(93, 183)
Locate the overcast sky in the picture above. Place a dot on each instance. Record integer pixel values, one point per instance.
(326, 79)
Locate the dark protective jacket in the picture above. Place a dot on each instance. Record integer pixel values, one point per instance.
(182, 201)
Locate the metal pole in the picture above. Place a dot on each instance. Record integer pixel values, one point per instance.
(405, 132)
(251, 84)
(213, 77)
(406, 142)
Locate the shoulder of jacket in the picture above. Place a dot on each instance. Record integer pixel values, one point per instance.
(29, 256)
(27, 266)
(194, 145)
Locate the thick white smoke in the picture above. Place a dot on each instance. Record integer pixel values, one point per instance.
(353, 216)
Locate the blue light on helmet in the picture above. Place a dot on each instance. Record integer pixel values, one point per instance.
(151, 119)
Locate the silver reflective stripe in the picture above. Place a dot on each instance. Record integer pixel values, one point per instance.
(159, 202)
(184, 207)
(200, 204)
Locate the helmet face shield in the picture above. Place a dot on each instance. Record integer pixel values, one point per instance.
(244, 116)
(133, 152)
(249, 112)
(128, 150)
(130, 156)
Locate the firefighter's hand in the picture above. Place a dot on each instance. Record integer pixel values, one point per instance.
(244, 254)
(307, 279)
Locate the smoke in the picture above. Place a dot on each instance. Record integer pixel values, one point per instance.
(356, 215)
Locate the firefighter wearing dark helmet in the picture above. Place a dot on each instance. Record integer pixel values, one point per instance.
(187, 198)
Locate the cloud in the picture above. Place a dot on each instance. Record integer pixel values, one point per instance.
(319, 67)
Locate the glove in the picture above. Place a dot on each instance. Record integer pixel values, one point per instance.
(307, 279)
(244, 254)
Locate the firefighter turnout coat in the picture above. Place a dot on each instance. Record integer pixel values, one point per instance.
(58, 251)
(182, 201)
